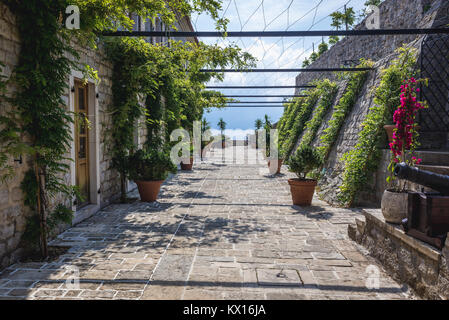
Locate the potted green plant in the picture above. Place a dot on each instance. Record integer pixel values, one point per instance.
(205, 145)
(305, 160)
(277, 161)
(405, 140)
(258, 125)
(277, 165)
(187, 163)
(222, 125)
(149, 169)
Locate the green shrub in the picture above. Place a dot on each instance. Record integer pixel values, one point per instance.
(150, 166)
(305, 160)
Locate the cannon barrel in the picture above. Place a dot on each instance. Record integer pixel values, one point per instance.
(437, 182)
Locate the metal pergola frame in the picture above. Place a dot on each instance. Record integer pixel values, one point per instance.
(288, 70)
(267, 34)
(266, 96)
(261, 87)
(256, 106)
(241, 34)
(261, 102)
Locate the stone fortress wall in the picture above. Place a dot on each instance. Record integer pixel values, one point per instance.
(394, 14)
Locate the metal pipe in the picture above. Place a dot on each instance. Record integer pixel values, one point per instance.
(267, 96)
(259, 87)
(275, 34)
(262, 102)
(287, 70)
(256, 106)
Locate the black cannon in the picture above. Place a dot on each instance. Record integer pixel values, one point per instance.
(437, 182)
(428, 213)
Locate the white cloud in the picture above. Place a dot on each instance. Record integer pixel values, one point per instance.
(237, 134)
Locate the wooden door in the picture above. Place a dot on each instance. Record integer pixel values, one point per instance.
(82, 143)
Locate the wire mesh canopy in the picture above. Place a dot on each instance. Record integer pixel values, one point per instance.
(280, 34)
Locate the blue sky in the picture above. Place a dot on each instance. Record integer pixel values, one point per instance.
(268, 15)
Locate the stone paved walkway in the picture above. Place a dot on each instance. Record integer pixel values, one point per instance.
(224, 231)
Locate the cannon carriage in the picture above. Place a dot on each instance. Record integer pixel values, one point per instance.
(428, 213)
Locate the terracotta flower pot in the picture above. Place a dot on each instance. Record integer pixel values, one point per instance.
(149, 190)
(394, 206)
(302, 191)
(389, 129)
(279, 161)
(185, 165)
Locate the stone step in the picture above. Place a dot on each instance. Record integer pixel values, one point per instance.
(434, 158)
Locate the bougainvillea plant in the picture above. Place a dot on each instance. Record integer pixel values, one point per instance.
(405, 135)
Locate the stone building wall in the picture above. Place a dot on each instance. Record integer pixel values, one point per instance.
(13, 213)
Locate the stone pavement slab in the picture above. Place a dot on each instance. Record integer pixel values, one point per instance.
(222, 231)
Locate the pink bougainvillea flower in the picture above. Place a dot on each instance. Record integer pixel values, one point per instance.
(404, 117)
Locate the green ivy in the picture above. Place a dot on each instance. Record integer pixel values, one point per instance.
(342, 109)
(131, 76)
(328, 90)
(304, 109)
(363, 160)
(288, 117)
(294, 120)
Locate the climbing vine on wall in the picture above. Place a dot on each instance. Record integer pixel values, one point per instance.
(341, 110)
(363, 160)
(328, 90)
(286, 121)
(304, 108)
(294, 121)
